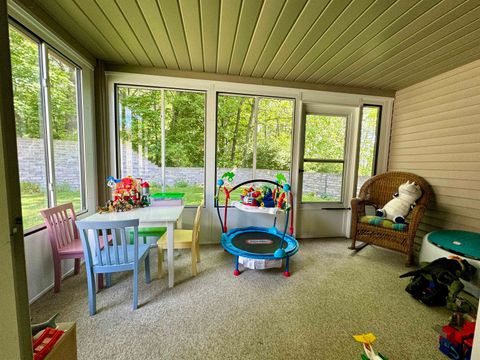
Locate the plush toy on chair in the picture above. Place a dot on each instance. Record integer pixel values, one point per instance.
(398, 208)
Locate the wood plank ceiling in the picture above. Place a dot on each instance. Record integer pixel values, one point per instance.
(384, 44)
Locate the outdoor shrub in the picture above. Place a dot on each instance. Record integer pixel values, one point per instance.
(181, 184)
(27, 187)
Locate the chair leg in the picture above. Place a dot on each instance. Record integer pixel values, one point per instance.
(160, 262)
(147, 269)
(76, 269)
(135, 289)
(92, 300)
(57, 269)
(100, 281)
(194, 262)
(108, 280)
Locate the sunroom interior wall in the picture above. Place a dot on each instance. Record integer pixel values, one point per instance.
(210, 225)
(436, 134)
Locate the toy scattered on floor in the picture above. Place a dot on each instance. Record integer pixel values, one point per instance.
(367, 340)
(44, 343)
(398, 208)
(456, 338)
(438, 283)
(127, 193)
(40, 326)
(267, 245)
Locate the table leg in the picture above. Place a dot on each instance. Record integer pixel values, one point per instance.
(170, 253)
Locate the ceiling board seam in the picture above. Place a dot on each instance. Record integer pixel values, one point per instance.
(424, 14)
(332, 43)
(134, 33)
(201, 32)
(236, 33)
(268, 38)
(93, 24)
(299, 42)
(273, 29)
(184, 33)
(469, 47)
(318, 40)
(253, 35)
(150, 31)
(415, 54)
(355, 37)
(416, 33)
(91, 39)
(115, 29)
(219, 19)
(376, 35)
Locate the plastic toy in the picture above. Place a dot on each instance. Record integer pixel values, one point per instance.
(40, 326)
(456, 338)
(44, 343)
(398, 208)
(127, 193)
(367, 341)
(262, 243)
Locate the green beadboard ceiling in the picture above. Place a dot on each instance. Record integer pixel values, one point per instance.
(383, 44)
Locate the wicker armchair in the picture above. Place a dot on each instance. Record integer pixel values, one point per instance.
(377, 191)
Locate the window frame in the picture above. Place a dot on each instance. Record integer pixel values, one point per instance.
(359, 138)
(328, 161)
(118, 160)
(256, 98)
(46, 121)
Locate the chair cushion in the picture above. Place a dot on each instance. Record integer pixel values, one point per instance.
(382, 222)
(142, 249)
(180, 236)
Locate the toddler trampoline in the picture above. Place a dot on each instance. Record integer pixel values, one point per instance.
(262, 243)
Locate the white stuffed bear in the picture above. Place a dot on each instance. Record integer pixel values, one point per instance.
(403, 201)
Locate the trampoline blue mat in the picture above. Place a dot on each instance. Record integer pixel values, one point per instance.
(464, 243)
(257, 242)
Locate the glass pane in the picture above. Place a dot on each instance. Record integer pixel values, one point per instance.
(325, 137)
(185, 144)
(235, 133)
(29, 127)
(274, 138)
(65, 131)
(140, 128)
(322, 182)
(368, 143)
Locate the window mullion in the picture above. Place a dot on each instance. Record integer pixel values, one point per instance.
(255, 127)
(163, 140)
(45, 93)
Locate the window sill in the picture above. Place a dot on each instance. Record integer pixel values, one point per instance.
(40, 227)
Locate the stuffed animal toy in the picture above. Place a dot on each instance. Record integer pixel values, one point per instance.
(398, 208)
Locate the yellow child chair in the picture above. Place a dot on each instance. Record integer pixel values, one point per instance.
(183, 239)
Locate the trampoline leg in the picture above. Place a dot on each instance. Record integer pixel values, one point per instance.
(236, 272)
(286, 273)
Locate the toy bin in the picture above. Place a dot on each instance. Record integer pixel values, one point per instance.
(167, 199)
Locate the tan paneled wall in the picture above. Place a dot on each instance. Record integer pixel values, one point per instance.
(436, 134)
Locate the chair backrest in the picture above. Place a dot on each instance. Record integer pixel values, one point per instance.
(196, 224)
(111, 256)
(379, 189)
(60, 221)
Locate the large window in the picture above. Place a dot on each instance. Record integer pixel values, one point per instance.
(367, 156)
(162, 139)
(254, 136)
(48, 126)
(324, 158)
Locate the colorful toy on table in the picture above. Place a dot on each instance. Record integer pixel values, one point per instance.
(367, 341)
(127, 193)
(398, 208)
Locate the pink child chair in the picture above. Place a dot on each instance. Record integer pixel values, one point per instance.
(64, 239)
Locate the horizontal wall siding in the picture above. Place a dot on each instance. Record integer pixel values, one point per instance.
(436, 134)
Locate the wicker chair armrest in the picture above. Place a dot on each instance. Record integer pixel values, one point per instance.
(358, 207)
(417, 214)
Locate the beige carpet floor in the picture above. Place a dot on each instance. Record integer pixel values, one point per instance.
(331, 295)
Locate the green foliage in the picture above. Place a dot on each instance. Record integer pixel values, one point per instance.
(141, 125)
(29, 188)
(181, 184)
(26, 90)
